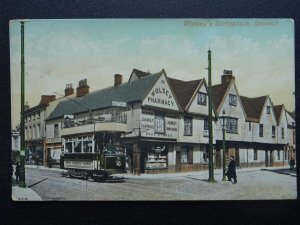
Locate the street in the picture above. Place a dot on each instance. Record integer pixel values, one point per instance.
(253, 184)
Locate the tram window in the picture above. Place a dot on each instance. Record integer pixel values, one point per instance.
(87, 146)
(77, 146)
(69, 147)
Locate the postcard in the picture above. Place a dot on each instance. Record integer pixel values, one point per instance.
(153, 109)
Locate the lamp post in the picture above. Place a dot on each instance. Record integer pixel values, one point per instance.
(223, 119)
(210, 127)
(22, 124)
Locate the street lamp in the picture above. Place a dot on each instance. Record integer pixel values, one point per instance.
(210, 126)
(22, 123)
(223, 119)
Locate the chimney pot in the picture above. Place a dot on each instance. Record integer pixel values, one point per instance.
(69, 90)
(82, 88)
(118, 80)
(227, 76)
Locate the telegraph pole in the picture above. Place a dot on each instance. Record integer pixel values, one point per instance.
(22, 133)
(210, 127)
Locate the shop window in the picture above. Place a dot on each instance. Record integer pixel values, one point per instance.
(232, 100)
(156, 158)
(261, 130)
(232, 125)
(159, 124)
(87, 146)
(201, 100)
(255, 156)
(273, 131)
(188, 126)
(186, 155)
(278, 155)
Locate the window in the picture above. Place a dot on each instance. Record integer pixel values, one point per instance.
(34, 132)
(285, 155)
(293, 124)
(87, 146)
(278, 155)
(77, 146)
(273, 131)
(255, 154)
(268, 109)
(201, 100)
(249, 126)
(261, 130)
(56, 131)
(68, 147)
(31, 132)
(282, 133)
(232, 100)
(294, 138)
(159, 124)
(186, 155)
(188, 126)
(205, 129)
(232, 125)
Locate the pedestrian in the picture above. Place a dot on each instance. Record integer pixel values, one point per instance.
(231, 173)
(292, 164)
(37, 161)
(17, 172)
(50, 162)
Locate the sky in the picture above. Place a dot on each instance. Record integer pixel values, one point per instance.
(260, 52)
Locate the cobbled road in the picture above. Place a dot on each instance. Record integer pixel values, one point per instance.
(254, 184)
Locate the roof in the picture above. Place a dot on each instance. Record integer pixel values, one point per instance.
(217, 93)
(291, 114)
(127, 92)
(253, 107)
(277, 110)
(39, 106)
(140, 74)
(184, 90)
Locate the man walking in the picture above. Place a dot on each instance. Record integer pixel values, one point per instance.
(231, 173)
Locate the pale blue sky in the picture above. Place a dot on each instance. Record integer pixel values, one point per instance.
(58, 52)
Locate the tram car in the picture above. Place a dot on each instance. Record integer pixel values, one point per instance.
(83, 159)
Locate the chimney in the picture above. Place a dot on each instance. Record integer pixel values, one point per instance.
(227, 76)
(82, 88)
(118, 80)
(69, 90)
(45, 99)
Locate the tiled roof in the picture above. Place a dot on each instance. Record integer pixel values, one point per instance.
(253, 107)
(184, 90)
(291, 114)
(127, 92)
(277, 110)
(217, 94)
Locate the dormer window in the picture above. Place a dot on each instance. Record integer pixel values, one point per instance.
(201, 100)
(232, 100)
(268, 109)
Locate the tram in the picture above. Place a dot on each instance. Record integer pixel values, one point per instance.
(83, 157)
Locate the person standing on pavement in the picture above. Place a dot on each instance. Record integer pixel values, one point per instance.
(231, 172)
(292, 164)
(17, 172)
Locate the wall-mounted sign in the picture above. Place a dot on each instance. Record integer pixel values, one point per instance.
(120, 104)
(158, 149)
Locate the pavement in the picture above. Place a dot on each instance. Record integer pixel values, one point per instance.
(27, 194)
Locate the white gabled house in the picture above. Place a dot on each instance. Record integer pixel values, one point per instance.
(193, 135)
(226, 99)
(291, 133)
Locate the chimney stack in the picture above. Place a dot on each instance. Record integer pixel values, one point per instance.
(227, 76)
(82, 88)
(69, 90)
(118, 80)
(45, 99)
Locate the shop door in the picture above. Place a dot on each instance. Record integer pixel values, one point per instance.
(178, 162)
